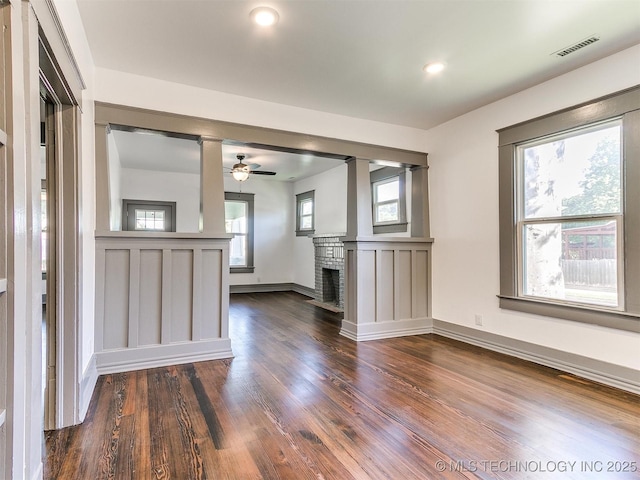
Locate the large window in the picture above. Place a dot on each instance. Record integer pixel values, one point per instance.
(305, 209)
(389, 200)
(569, 213)
(238, 215)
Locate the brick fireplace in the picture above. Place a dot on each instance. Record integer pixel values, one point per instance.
(329, 261)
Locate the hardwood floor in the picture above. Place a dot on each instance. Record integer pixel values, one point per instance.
(299, 401)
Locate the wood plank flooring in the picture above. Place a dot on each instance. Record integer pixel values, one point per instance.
(299, 401)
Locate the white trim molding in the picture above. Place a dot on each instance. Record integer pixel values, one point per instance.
(606, 373)
(87, 385)
(272, 287)
(127, 360)
(58, 43)
(378, 330)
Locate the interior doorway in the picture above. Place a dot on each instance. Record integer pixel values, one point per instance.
(48, 244)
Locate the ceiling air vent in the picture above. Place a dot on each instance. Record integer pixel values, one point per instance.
(576, 46)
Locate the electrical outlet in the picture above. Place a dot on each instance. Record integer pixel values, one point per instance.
(478, 319)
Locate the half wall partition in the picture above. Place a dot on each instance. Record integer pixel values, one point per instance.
(163, 297)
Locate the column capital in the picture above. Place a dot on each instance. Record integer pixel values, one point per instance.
(206, 138)
(415, 168)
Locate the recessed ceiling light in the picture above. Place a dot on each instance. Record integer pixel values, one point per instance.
(264, 16)
(434, 67)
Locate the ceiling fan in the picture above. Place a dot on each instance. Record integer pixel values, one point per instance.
(241, 171)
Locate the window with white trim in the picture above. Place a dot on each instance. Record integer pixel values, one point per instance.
(238, 216)
(570, 213)
(148, 216)
(305, 216)
(570, 216)
(388, 198)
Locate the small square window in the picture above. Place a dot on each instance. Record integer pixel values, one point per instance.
(388, 197)
(148, 216)
(305, 211)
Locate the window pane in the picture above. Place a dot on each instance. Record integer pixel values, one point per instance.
(43, 218)
(387, 212)
(573, 174)
(237, 222)
(238, 251)
(235, 214)
(149, 219)
(306, 207)
(389, 190)
(565, 261)
(306, 222)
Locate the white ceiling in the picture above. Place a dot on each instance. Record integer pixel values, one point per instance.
(359, 58)
(149, 151)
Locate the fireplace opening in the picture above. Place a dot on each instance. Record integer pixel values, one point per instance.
(329, 271)
(331, 286)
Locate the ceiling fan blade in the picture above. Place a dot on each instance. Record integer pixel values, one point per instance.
(261, 172)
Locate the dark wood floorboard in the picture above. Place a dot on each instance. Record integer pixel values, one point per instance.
(299, 401)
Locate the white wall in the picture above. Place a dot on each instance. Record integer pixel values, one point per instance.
(273, 230)
(331, 217)
(182, 188)
(155, 94)
(463, 172)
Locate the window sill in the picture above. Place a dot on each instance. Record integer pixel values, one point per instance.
(241, 269)
(304, 233)
(592, 315)
(390, 228)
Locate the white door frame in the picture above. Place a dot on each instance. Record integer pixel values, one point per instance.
(58, 70)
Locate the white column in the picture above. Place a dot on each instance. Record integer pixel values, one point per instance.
(420, 202)
(211, 186)
(359, 217)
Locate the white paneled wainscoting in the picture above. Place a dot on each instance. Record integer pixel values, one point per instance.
(388, 285)
(160, 300)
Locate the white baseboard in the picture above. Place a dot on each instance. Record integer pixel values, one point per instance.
(302, 290)
(151, 356)
(272, 287)
(390, 329)
(606, 373)
(87, 386)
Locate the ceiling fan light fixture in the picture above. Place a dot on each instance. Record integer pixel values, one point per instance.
(240, 172)
(264, 16)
